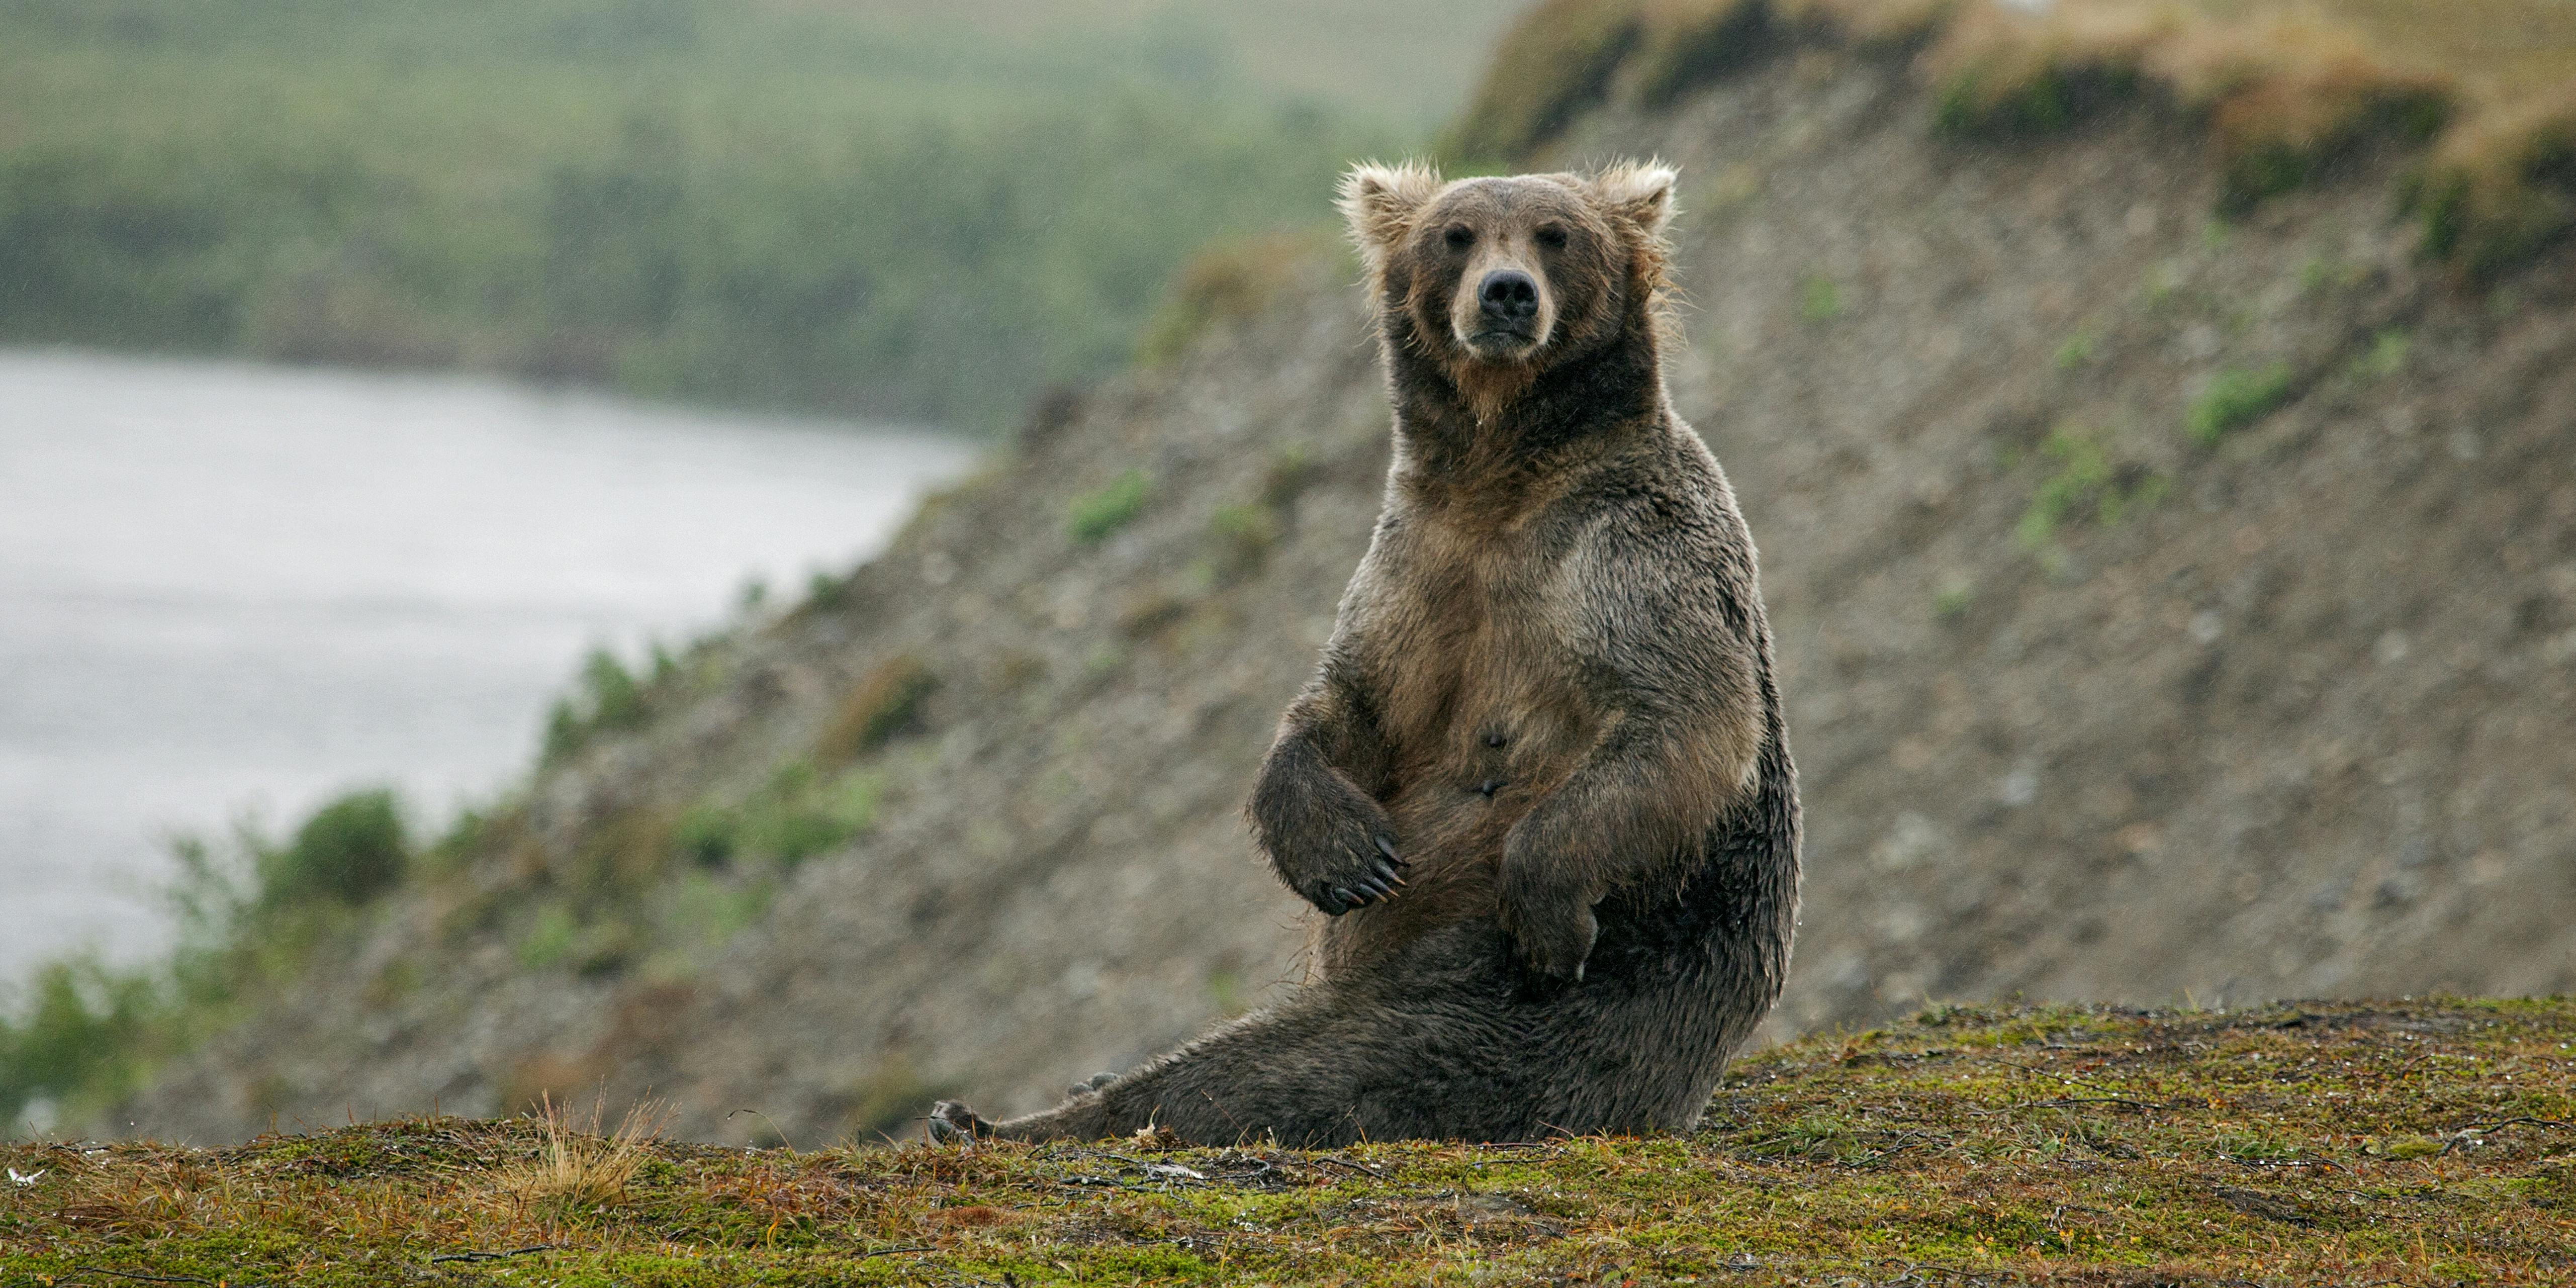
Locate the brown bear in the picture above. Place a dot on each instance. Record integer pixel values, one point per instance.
(1539, 784)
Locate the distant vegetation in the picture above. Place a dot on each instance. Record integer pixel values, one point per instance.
(83, 1032)
(663, 884)
(883, 209)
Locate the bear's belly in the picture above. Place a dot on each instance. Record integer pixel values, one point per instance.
(1454, 802)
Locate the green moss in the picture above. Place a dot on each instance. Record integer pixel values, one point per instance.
(1819, 300)
(1094, 517)
(548, 938)
(2386, 356)
(2237, 397)
(2084, 485)
(2076, 352)
(701, 912)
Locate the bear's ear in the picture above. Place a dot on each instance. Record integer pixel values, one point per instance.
(1380, 200)
(1640, 193)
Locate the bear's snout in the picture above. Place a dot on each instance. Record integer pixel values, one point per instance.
(1505, 318)
(1508, 296)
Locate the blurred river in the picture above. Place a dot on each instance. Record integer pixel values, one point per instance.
(231, 589)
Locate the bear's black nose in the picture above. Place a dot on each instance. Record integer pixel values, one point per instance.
(1508, 295)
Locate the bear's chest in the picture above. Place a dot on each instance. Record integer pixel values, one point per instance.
(1467, 642)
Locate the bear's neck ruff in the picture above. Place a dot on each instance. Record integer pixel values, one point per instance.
(1469, 426)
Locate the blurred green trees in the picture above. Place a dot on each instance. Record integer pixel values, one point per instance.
(81, 1031)
(797, 205)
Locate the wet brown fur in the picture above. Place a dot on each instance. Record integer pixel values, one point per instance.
(1549, 691)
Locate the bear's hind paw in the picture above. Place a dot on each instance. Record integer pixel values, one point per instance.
(952, 1123)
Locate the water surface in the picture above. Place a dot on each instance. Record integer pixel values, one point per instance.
(232, 591)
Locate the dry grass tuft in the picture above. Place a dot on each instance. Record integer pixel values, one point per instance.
(578, 1169)
(2284, 94)
(882, 704)
(1225, 281)
(2000, 72)
(1868, 22)
(1552, 66)
(2503, 185)
(1681, 43)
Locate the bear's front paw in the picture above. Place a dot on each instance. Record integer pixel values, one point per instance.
(1336, 850)
(1362, 869)
(1553, 933)
(952, 1123)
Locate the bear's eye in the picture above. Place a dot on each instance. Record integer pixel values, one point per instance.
(1461, 236)
(1552, 237)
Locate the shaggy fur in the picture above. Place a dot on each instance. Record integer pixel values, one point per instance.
(1539, 784)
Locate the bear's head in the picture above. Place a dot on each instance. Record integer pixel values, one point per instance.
(1494, 281)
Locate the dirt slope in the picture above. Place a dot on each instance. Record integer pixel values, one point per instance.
(2086, 708)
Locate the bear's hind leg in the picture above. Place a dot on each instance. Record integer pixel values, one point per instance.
(1432, 1054)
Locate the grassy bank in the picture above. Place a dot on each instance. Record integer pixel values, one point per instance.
(2413, 1143)
(878, 209)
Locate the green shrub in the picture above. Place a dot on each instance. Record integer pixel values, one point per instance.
(700, 911)
(82, 1033)
(608, 698)
(795, 816)
(249, 918)
(795, 833)
(707, 835)
(1095, 516)
(2494, 199)
(2085, 484)
(616, 700)
(2236, 397)
(2269, 152)
(349, 851)
(549, 938)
